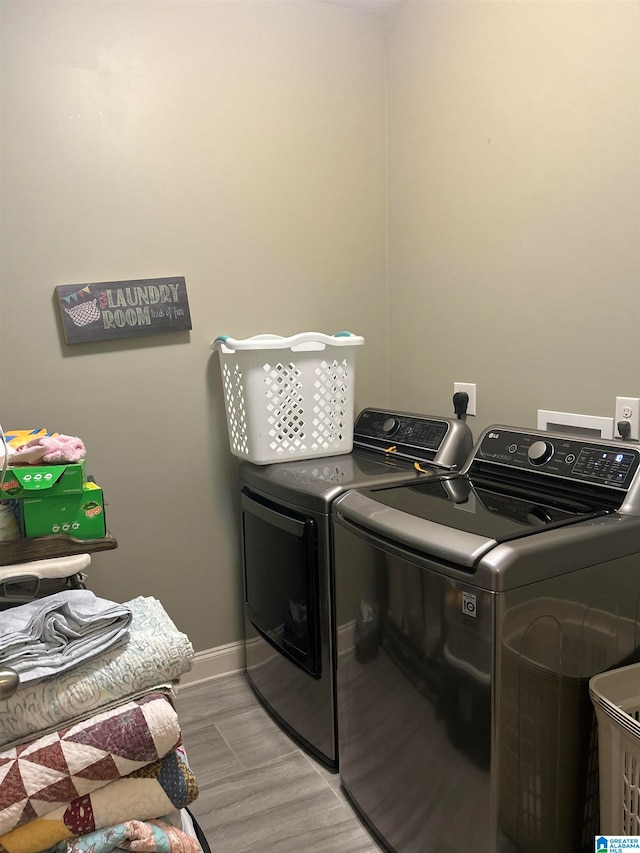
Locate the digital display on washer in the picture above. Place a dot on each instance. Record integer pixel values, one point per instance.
(606, 466)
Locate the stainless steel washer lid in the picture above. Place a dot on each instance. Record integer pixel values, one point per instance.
(513, 561)
(429, 538)
(491, 511)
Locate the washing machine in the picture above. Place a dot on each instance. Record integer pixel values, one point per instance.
(465, 723)
(290, 639)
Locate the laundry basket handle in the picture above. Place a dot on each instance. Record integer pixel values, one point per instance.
(300, 342)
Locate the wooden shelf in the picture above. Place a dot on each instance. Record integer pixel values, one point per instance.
(45, 547)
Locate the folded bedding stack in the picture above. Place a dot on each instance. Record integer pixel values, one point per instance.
(91, 753)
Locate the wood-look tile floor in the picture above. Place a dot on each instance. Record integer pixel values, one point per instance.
(258, 790)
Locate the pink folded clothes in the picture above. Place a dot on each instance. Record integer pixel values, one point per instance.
(50, 449)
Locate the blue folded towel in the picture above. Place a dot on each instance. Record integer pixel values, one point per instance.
(53, 634)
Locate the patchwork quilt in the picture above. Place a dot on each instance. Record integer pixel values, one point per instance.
(55, 769)
(153, 836)
(146, 794)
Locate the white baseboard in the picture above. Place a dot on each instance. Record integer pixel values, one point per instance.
(214, 663)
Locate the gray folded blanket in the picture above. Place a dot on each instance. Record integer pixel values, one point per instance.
(154, 657)
(52, 634)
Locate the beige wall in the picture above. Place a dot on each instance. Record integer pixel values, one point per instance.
(514, 175)
(243, 145)
(240, 144)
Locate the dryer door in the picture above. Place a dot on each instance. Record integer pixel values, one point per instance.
(280, 554)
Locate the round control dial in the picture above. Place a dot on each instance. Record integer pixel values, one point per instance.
(540, 452)
(390, 426)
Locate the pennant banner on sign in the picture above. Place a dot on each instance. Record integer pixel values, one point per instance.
(74, 296)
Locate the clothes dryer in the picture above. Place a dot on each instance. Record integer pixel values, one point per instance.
(290, 639)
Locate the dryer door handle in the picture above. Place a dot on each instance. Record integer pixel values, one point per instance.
(285, 522)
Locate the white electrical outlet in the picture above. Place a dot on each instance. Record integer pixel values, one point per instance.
(628, 409)
(470, 388)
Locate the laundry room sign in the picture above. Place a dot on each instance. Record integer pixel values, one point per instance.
(111, 310)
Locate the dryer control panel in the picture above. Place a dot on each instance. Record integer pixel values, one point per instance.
(394, 428)
(443, 441)
(601, 463)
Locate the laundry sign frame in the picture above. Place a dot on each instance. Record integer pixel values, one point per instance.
(110, 310)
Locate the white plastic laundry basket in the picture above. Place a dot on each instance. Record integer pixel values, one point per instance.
(291, 397)
(616, 699)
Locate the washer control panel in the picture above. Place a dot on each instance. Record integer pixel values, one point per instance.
(610, 463)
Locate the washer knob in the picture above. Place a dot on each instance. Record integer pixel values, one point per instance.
(390, 426)
(540, 452)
